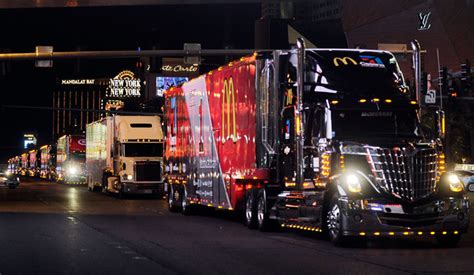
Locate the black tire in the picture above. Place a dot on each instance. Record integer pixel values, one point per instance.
(122, 195)
(334, 222)
(250, 210)
(171, 200)
(186, 209)
(448, 240)
(264, 222)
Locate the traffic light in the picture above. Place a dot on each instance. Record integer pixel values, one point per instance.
(466, 77)
(424, 83)
(443, 78)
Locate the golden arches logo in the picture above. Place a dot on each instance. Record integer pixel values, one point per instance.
(344, 60)
(228, 104)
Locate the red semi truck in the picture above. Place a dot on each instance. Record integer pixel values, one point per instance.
(326, 140)
(70, 159)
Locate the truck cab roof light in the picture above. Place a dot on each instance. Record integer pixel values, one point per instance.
(388, 101)
(363, 100)
(334, 102)
(413, 102)
(376, 100)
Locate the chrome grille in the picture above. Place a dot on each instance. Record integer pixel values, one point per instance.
(148, 171)
(407, 174)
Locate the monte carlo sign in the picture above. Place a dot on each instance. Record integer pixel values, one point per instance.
(124, 85)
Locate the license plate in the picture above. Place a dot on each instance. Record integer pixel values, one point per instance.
(393, 208)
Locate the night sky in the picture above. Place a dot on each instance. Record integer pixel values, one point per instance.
(103, 28)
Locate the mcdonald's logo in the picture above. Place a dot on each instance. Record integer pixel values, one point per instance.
(344, 60)
(228, 106)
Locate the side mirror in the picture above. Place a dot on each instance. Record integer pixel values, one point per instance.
(327, 124)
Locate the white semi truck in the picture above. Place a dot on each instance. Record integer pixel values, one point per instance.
(124, 155)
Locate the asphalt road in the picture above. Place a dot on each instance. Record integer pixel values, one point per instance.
(46, 228)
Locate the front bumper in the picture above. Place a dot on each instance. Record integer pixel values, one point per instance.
(143, 187)
(384, 218)
(10, 183)
(79, 179)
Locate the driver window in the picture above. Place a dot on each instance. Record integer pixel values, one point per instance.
(316, 126)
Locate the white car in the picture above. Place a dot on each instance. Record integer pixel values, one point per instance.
(467, 177)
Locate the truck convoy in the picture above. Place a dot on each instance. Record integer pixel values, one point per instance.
(325, 140)
(125, 154)
(48, 162)
(34, 157)
(70, 159)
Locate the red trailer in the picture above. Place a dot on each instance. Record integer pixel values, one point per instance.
(211, 136)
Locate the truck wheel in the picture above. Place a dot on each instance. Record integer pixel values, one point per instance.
(251, 210)
(334, 222)
(122, 194)
(171, 201)
(448, 240)
(186, 209)
(264, 222)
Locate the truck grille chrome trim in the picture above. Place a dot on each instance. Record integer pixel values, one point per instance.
(147, 171)
(409, 174)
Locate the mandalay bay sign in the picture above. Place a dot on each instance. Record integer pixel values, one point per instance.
(124, 85)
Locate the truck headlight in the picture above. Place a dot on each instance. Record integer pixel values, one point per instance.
(129, 177)
(455, 183)
(353, 183)
(72, 170)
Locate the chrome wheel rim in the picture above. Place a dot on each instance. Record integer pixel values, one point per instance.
(334, 220)
(248, 209)
(261, 211)
(184, 198)
(170, 197)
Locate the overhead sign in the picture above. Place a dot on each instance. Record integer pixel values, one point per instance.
(44, 50)
(124, 85)
(192, 48)
(397, 48)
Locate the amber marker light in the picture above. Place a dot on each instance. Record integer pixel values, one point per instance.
(362, 233)
(362, 100)
(391, 233)
(413, 102)
(334, 102)
(388, 101)
(420, 233)
(432, 233)
(377, 233)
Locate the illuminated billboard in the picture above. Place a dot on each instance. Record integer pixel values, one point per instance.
(163, 83)
(28, 139)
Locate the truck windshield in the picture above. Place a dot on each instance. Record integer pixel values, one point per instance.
(79, 157)
(353, 73)
(367, 124)
(142, 149)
